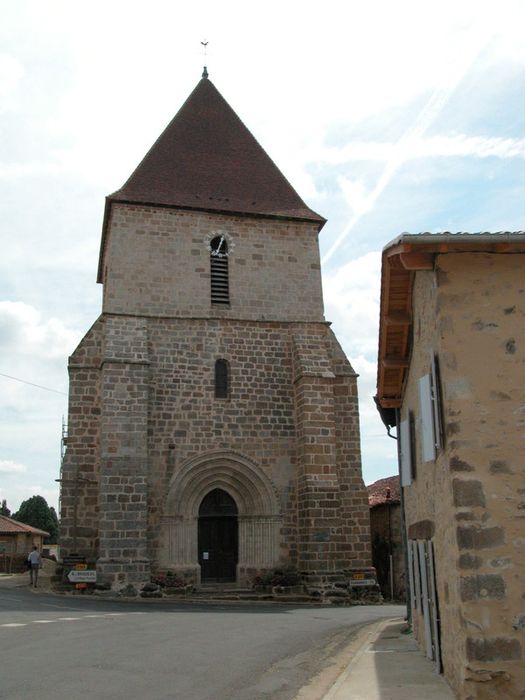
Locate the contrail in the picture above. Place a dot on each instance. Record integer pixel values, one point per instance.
(426, 117)
(38, 386)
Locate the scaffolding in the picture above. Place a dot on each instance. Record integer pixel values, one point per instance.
(63, 448)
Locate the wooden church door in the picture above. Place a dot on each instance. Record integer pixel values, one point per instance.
(218, 537)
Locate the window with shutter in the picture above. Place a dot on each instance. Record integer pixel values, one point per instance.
(430, 411)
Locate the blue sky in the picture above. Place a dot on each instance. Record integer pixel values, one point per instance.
(393, 117)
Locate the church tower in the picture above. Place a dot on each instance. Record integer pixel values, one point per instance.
(213, 416)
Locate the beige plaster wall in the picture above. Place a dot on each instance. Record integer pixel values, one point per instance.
(471, 312)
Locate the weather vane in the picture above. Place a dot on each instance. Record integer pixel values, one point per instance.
(205, 71)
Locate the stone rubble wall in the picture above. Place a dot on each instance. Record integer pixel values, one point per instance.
(159, 412)
(157, 264)
(471, 312)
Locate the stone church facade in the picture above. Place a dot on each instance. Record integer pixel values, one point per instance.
(213, 423)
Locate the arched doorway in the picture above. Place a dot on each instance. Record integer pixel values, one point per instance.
(218, 537)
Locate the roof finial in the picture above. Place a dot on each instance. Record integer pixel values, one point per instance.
(205, 71)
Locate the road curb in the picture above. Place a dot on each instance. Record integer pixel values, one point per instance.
(330, 679)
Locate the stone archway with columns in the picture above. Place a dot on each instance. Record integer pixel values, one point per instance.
(259, 513)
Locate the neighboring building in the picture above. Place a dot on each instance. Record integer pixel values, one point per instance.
(452, 367)
(386, 535)
(16, 541)
(213, 418)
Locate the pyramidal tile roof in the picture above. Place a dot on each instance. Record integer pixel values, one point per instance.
(207, 159)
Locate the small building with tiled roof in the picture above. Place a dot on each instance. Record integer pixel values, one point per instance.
(384, 491)
(387, 537)
(16, 541)
(213, 416)
(451, 378)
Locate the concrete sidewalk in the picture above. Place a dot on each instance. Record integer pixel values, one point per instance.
(387, 664)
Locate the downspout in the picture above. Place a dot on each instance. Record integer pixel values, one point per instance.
(403, 525)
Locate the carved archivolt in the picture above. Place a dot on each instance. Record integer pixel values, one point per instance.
(242, 478)
(259, 515)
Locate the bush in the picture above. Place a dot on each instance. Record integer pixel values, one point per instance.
(287, 576)
(168, 580)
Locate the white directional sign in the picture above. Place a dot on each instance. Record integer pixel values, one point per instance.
(87, 576)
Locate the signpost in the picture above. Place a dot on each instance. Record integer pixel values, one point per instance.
(82, 576)
(360, 579)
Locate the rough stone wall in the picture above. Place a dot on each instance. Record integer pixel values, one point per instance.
(286, 438)
(355, 516)
(81, 465)
(186, 420)
(471, 312)
(160, 411)
(123, 517)
(157, 264)
(385, 532)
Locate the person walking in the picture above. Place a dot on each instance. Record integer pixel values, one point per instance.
(35, 562)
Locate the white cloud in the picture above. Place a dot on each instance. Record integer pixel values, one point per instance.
(10, 171)
(33, 349)
(356, 195)
(418, 147)
(351, 294)
(23, 330)
(7, 466)
(11, 72)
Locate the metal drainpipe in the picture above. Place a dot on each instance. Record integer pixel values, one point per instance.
(403, 524)
(390, 548)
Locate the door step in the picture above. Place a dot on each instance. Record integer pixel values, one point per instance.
(214, 592)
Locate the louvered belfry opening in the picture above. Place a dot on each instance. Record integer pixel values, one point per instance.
(220, 288)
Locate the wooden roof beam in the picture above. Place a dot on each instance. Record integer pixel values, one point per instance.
(395, 362)
(397, 318)
(387, 402)
(417, 261)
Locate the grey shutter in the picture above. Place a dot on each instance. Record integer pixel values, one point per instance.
(428, 439)
(406, 453)
(436, 402)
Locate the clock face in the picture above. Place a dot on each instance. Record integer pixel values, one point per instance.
(219, 243)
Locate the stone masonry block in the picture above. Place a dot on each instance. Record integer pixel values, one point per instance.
(493, 649)
(482, 587)
(479, 538)
(468, 493)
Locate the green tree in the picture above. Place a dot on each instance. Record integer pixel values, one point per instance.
(4, 510)
(37, 513)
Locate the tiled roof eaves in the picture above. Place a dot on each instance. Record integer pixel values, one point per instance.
(401, 258)
(287, 215)
(10, 526)
(377, 492)
(475, 238)
(374, 502)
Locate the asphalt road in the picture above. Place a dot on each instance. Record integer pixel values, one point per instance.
(53, 647)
